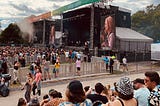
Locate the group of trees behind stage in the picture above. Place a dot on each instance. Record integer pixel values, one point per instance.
(147, 22)
(12, 35)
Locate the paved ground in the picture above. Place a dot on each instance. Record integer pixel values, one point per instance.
(12, 99)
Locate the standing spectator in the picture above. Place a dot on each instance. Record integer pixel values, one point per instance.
(97, 97)
(75, 95)
(54, 57)
(141, 92)
(125, 90)
(1, 61)
(152, 82)
(89, 57)
(124, 60)
(106, 60)
(15, 71)
(32, 68)
(56, 66)
(78, 66)
(37, 80)
(55, 98)
(46, 63)
(111, 62)
(28, 86)
(67, 56)
(78, 55)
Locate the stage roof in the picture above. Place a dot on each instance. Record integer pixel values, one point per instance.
(131, 35)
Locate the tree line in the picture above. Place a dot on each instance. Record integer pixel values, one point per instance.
(147, 22)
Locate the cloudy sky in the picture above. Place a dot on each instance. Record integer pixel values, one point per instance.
(14, 10)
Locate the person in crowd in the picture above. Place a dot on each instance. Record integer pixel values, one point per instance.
(54, 57)
(152, 82)
(86, 89)
(46, 64)
(15, 71)
(78, 66)
(28, 86)
(34, 102)
(55, 98)
(124, 61)
(124, 88)
(67, 56)
(97, 96)
(21, 102)
(75, 95)
(106, 60)
(107, 92)
(141, 92)
(111, 62)
(37, 81)
(56, 66)
(45, 100)
(32, 69)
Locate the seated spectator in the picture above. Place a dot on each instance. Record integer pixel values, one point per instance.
(45, 100)
(86, 90)
(22, 102)
(152, 82)
(75, 95)
(97, 96)
(125, 90)
(141, 92)
(55, 98)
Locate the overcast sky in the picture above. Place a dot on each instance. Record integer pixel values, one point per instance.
(14, 10)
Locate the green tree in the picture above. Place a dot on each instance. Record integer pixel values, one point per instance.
(147, 22)
(12, 34)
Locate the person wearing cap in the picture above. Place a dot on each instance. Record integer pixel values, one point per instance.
(141, 92)
(152, 82)
(75, 95)
(124, 89)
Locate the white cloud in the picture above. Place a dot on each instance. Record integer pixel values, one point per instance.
(15, 9)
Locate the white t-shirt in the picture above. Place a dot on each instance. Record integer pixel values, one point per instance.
(67, 54)
(124, 60)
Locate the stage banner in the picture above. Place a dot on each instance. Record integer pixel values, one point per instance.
(72, 6)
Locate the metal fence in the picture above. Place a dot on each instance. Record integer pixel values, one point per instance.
(69, 70)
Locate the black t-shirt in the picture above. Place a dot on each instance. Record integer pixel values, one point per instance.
(97, 97)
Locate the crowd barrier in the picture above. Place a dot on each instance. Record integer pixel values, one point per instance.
(66, 70)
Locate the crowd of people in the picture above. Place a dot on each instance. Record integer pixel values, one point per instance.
(16, 57)
(139, 92)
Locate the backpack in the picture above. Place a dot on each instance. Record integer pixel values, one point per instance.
(97, 103)
(31, 67)
(4, 91)
(111, 61)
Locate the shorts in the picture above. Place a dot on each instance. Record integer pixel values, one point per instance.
(124, 65)
(78, 68)
(46, 69)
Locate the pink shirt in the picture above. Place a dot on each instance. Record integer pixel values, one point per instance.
(78, 63)
(38, 77)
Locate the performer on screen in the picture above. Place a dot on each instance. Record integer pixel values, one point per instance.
(108, 35)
